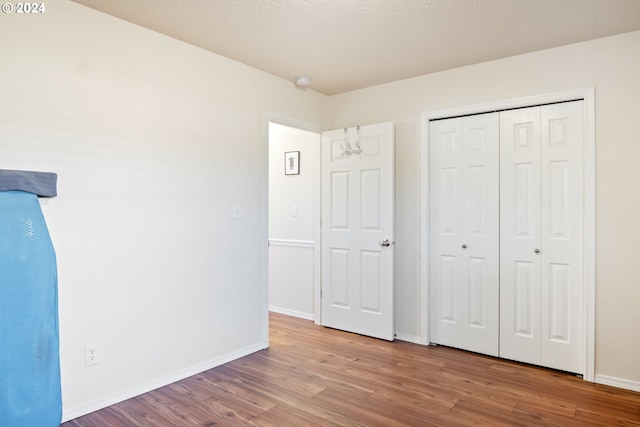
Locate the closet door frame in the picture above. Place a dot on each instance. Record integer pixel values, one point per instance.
(589, 234)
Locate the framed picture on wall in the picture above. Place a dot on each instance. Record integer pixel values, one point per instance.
(292, 163)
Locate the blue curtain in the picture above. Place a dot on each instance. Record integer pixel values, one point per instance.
(30, 393)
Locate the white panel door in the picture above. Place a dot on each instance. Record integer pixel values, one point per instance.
(357, 230)
(541, 229)
(464, 232)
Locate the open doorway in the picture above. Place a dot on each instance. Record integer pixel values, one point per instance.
(294, 220)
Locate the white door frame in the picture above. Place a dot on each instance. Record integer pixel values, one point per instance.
(586, 94)
(316, 128)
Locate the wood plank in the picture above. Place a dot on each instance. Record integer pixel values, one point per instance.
(314, 376)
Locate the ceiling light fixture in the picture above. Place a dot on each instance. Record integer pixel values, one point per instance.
(303, 81)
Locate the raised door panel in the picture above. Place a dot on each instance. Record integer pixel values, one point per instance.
(562, 237)
(339, 201)
(475, 289)
(448, 197)
(559, 307)
(339, 296)
(371, 200)
(524, 305)
(520, 234)
(371, 282)
(448, 284)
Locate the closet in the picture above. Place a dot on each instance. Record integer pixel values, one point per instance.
(506, 234)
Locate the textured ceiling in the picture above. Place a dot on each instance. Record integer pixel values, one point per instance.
(350, 44)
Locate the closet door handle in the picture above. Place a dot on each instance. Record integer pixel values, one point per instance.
(537, 251)
(464, 246)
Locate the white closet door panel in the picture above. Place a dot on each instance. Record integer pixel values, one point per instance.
(464, 232)
(446, 231)
(480, 231)
(562, 236)
(520, 234)
(448, 298)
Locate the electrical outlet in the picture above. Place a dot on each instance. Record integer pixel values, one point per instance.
(91, 354)
(237, 213)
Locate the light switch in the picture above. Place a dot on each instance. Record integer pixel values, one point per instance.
(294, 211)
(236, 212)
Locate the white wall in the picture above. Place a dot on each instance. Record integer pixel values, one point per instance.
(293, 245)
(612, 66)
(154, 141)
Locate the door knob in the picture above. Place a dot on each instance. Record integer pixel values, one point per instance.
(536, 251)
(464, 246)
(385, 243)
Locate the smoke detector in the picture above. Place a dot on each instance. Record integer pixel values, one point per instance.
(303, 81)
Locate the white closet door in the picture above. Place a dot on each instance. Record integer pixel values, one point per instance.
(562, 292)
(446, 231)
(464, 232)
(480, 233)
(541, 236)
(520, 234)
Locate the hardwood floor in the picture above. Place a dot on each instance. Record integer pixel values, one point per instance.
(314, 376)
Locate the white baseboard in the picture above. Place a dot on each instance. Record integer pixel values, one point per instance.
(408, 338)
(72, 413)
(617, 382)
(292, 243)
(308, 316)
(293, 313)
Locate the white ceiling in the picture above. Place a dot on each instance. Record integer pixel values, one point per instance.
(350, 44)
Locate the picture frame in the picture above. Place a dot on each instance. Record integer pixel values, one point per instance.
(292, 163)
